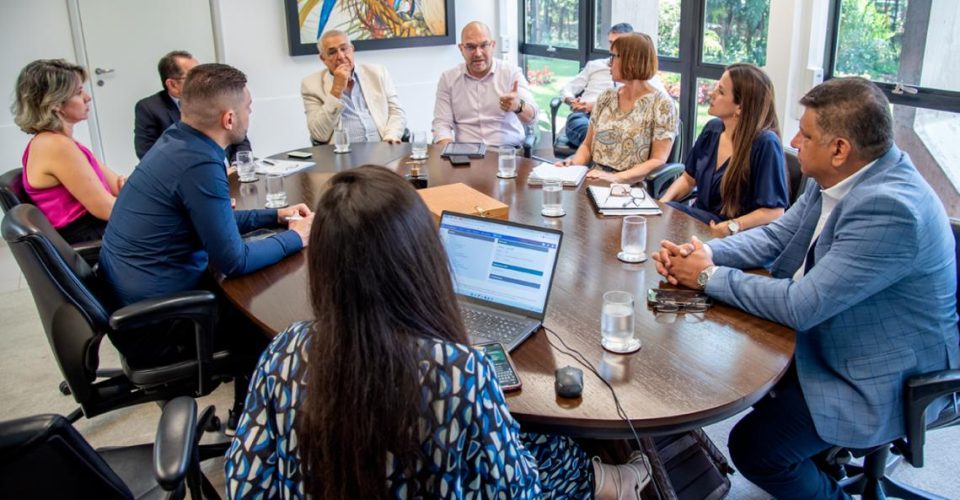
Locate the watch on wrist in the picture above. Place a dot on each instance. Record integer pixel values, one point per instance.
(520, 109)
(705, 275)
(733, 226)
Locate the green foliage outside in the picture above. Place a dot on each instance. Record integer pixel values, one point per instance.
(547, 77)
(870, 36)
(553, 22)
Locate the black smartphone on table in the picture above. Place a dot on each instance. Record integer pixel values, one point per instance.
(459, 160)
(506, 373)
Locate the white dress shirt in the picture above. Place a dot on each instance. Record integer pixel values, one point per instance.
(594, 79)
(467, 109)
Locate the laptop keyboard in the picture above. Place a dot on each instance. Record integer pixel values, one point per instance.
(492, 326)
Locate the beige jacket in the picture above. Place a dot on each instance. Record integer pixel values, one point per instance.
(323, 110)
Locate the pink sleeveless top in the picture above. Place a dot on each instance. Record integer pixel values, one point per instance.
(57, 203)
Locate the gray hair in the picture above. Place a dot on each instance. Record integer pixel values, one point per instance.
(330, 34)
(855, 109)
(42, 87)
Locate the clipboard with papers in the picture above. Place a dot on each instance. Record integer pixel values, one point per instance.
(571, 176)
(636, 202)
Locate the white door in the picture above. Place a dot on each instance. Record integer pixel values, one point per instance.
(123, 41)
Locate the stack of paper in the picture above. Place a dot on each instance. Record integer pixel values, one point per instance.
(571, 176)
(282, 167)
(638, 203)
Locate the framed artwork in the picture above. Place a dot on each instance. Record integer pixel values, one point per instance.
(371, 24)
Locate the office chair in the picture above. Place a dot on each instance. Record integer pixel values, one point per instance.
(796, 181)
(67, 294)
(661, 177)
(871, 480)
(13, 194)
(404, 138)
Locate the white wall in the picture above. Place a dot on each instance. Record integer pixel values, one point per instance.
(254, 40)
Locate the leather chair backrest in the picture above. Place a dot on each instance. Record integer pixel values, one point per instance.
(676, 152)
(11, 189)
(795, 178)
(45, 457)
(64, 288)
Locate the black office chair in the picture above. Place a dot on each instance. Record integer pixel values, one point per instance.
(13, 194)
(45, 457)
(531, 138)
(660, 179)
(67, 295)
(561, 144)
(871, 480)
(796, 181)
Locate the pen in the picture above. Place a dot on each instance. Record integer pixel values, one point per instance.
(538, 158)
(268, 162)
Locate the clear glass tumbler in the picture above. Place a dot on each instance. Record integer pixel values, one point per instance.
(419, 143)
(552, 198)
(246, 167)
(633, 239)
(616, 323)
(276, 195)
(507, 166)
(341, 140)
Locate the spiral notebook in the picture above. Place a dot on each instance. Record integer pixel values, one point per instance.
(638, 203)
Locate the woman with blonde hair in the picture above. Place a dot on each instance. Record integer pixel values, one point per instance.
(632, 126)
(61, 176)
(737, 163)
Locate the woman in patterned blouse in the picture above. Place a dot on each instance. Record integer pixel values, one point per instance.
(380, 396)
(632, 127)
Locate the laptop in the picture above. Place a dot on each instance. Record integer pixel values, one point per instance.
(502, 273)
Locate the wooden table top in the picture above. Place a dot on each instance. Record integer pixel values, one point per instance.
(693, 369)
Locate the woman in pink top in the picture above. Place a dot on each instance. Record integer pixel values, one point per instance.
(61, 176)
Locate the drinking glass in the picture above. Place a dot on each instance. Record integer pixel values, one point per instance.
(616, 323)
(276, 195)
(552, 198)
(246, 168)
(341, 140)
(419, 142)
(507, 166)
(633, 239)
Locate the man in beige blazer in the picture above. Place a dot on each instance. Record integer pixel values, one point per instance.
(360, 97)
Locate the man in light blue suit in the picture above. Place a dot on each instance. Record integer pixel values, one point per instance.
(862, 266)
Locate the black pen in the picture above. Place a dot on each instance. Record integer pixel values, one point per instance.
(268, 162)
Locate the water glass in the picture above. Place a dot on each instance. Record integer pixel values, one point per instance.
(616, 323)
(276, 195)
(507, 166)
(419, 142)
(633, 239)
(341, 140)
(246, 168)
(552, 198)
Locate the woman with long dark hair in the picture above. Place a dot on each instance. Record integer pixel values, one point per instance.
(381, 395)
(737, 163)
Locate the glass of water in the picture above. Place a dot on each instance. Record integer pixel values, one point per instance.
(633, 239)
(341, 140)
(616, 323)
(276, 195)
(507, 166)
(419, 142)
(553, 198)
(246, 168)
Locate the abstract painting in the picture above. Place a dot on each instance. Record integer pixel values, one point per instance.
(371, 24)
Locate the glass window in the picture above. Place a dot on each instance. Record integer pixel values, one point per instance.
(671, 83)
(668, 29)
(735, 31)
(885, 41)
(930, 138)
(554, 23)
(704, 86)
(639, 14)
(547, 76)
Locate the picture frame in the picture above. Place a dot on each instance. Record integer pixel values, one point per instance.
(371, 24)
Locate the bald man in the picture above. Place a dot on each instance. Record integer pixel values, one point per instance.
(484, 99)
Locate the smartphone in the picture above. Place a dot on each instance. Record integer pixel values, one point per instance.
(459, 160)
(300, 155)
(506, 374)
(678, 298)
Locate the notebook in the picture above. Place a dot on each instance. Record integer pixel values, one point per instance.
(639, 203)
(502, 273)
(571, 176)
(469, 149)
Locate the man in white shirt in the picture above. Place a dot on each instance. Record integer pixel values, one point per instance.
(484, 99)
(361, 96)
(589, 83)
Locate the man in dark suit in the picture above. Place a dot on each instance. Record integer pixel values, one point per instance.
(157, 112)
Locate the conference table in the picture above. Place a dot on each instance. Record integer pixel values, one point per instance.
(692, 369)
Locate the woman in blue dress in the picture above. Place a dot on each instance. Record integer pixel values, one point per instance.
(381, 396)
(737, 163)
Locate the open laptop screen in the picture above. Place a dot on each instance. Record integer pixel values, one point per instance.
(501, 262)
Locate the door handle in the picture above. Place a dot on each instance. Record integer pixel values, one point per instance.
(102, 71)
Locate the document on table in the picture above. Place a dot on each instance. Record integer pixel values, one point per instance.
(282, 167)
(570, 176)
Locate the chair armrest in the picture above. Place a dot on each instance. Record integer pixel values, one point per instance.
(530, 135)
(554, 106)
(89, 250)
(661, 177)
(175, 447)
(920, 391)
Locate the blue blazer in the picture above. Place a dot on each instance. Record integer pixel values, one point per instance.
(878, 306)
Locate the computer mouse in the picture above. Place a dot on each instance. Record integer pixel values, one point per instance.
(569, 382)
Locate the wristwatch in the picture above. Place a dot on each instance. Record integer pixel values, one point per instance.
(733, 226)
(705, 275)
(520, 109)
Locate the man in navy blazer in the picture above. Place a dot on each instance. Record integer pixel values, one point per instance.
(154, 114)
(862, 266)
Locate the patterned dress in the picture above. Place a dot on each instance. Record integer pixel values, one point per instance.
(475, 447)
(622, 139)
